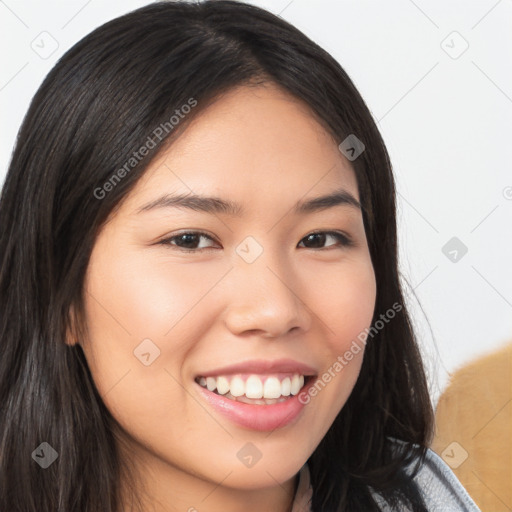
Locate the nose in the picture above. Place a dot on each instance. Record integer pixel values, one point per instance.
(264, 299)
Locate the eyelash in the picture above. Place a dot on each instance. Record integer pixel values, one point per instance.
(344, 240)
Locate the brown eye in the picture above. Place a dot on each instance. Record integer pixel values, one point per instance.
(319, 238)
(187, 241)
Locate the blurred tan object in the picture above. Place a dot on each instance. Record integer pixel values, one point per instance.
(474, 429)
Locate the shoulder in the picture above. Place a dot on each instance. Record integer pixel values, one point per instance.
(439, 486)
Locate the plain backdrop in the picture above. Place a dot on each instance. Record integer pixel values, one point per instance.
(437, 77)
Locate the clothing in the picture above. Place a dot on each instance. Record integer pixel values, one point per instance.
(439, 487)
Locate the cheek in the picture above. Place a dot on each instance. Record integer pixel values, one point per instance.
(345, 304)
(147, 295)
(143, 305)
(130, 314)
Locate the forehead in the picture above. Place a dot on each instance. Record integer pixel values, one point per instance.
(252, 143)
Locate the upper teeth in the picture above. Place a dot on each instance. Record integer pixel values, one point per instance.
(255, 386)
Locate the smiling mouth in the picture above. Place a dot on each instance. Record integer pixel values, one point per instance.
(256, 389)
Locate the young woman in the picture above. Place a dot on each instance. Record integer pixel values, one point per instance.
(200, 302)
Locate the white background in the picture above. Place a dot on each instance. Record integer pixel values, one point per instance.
(445, 116)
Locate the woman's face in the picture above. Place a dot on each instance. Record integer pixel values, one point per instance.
(166, 310)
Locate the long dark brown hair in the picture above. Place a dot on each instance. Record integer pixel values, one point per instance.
(98, 105)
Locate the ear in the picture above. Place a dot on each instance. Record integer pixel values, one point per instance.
(71, 331)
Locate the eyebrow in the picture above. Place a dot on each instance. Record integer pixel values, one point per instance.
(217, 205)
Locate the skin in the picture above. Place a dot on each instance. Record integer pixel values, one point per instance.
(302, 300)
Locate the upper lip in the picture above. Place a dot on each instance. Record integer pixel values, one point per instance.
(262, 366)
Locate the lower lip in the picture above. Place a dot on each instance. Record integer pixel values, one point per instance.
(257, 417)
